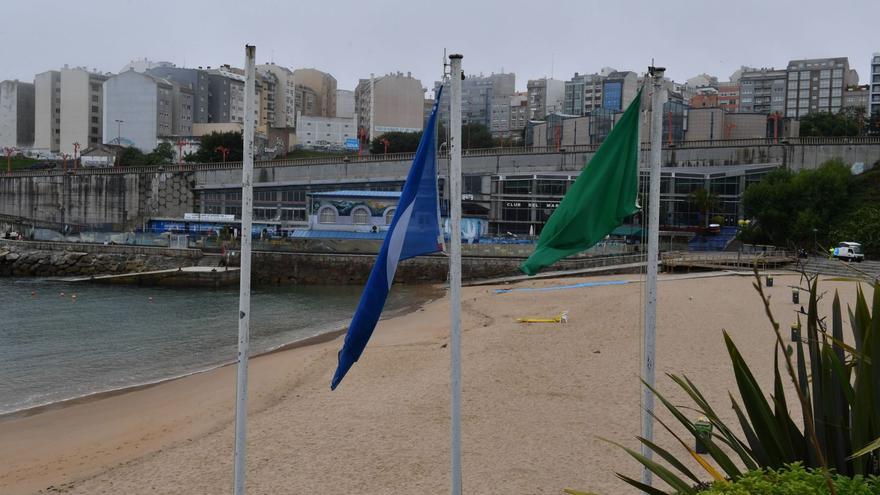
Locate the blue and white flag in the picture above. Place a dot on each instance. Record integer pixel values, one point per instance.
(415, 230)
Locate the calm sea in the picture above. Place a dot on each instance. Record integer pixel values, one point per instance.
(55, 347)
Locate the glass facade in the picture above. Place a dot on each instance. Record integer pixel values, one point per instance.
(612, 95)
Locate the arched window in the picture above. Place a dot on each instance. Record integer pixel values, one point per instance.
(389, 215)
(360, 216)
(327, 215)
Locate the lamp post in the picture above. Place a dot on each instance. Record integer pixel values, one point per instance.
(180, 143)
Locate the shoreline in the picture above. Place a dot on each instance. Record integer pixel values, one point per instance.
(540, 394)
(322, 337)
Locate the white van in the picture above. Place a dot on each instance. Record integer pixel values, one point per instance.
(849, 251)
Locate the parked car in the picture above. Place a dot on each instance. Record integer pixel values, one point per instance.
(849, 251)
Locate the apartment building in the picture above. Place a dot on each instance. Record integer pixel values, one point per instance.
(546, 96)
(762, 90)
(81, 109)
(47, 111)
(316, 93)
(397, 102)
(285, 94)
(478, 92)
(874, 92)
(817, 85)
(16, 114)
(195, 79)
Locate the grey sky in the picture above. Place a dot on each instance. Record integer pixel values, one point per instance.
(350, 39)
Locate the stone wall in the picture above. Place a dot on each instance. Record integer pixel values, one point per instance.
(44, 259)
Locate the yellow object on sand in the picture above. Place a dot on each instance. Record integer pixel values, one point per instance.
(562, 318)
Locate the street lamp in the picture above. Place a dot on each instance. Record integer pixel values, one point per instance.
(9, 153)
(75, 150)
(223, 150)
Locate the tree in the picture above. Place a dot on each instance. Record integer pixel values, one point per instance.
(398, 142)
(796, 208)
(132, 157)
(863, 226)
(705, 202)
(847, 122)
(472, 136)
(207, 152)
(161, 154)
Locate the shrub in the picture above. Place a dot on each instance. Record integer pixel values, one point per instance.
(793, 479)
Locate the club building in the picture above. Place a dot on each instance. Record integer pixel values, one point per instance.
(515, 203)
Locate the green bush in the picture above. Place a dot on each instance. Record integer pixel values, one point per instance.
(793, 479)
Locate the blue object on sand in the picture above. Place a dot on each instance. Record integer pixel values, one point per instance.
(560, 287)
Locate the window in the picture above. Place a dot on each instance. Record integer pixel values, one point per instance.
(836, 83)
(94, 130)
(835, 102)
(825, 74)
(94, 109)
(360, 216)
(389, 215)
(805, 75)
(327, 215)
(838, 73)
(835, 92)
(823, 93)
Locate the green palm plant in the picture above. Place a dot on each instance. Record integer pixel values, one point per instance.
(705, 202)
(838, 388)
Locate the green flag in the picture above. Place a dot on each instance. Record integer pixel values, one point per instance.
(598, 201)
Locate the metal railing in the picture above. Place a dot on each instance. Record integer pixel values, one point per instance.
(480, 152)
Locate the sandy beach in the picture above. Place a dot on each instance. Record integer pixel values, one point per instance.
(536, 399)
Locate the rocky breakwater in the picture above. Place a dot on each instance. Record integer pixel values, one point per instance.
(37, 259)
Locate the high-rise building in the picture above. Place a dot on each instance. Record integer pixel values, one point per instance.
(195, 79)
(762, 91)
(546, 96)
(81, 109)
(16, 114)
(857, 97)
(875, 84)
(47, 111)
(619, 89)
(285, 94)
(583, 94)
(728, 96)
(225, 95)
(398, 104)
(140, 108)
(519, 113)
(316, 93)
(345, 103)
(816, 85)
(477, 94)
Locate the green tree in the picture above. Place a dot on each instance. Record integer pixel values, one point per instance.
(132, 157)
(863, 226)
(210, 143)
(398, 142)
(705, 202)
(476, 136)
(787, 207)
(162, 154)
(847, 122)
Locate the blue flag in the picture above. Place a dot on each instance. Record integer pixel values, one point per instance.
(415, 230)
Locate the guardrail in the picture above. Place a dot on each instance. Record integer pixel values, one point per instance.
(480, 152)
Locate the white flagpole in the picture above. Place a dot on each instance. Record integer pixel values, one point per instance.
(455, 271)
(649, 364)
(244, 297)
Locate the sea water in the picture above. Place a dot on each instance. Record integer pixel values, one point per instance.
(62, 340)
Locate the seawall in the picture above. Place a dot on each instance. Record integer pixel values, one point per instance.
(48, 259)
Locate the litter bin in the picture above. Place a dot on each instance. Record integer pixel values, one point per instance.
(703, 429)
(795, 295)
(769, 281)
(795, 332)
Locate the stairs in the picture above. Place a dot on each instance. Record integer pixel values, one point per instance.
(866, 270)
(717, 242)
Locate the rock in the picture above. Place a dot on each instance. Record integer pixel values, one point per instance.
(12, 256)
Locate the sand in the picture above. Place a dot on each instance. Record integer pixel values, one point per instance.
(536, 399)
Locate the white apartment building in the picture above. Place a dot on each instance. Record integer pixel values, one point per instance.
(47, 111)
(324, 132)
(81, 109)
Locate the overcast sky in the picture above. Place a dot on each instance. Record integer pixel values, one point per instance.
(351, 39)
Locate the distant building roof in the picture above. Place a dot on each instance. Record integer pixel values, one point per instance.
(358, 194)
(337, 234)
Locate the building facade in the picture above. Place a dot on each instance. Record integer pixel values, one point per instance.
(874, 95)
(728, 96)
(857, 97)
(81, 109)
(284, 94)
(16, 114)
(325, 132)
(47, 111)
(619, 89)
(196, 80)
(546, 96)
(397, 101)
(817, 85)
(478, 93)
(321, 86)
(762, 91)
(345, 103)
(140, 108)
(519, 113)
(583, 94)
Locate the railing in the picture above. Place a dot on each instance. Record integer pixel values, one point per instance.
(481, 152)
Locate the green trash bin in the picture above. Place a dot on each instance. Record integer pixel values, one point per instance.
(795, 295)
(769, 281)
(795, 332)
(703, 429)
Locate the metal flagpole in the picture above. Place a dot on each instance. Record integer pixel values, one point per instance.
(244, 297)
(455, 271)
(648, 366)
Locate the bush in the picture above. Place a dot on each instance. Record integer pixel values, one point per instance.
(793, 479)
